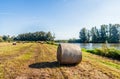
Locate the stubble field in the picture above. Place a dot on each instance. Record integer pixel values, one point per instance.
(38, 61)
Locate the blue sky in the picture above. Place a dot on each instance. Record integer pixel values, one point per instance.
(65, 18)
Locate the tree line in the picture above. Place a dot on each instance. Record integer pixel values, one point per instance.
(106, 33)
(36, 36)
(6, 38)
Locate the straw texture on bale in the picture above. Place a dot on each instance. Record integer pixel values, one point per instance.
(69, 54)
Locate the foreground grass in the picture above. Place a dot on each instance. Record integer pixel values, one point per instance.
(103, 60)
(38, 61)
(107, 66)
(1, 72)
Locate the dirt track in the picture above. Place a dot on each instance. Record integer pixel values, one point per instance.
(41, 63)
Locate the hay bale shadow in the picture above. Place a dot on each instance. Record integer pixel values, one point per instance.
(54, 64)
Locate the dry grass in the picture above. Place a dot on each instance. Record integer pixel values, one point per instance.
(38, 61)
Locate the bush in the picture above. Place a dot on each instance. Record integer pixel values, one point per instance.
(109, 52)
(114, 53)
(1, 40)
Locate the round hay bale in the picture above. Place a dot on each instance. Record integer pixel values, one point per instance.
(69, 54)
(14, 43)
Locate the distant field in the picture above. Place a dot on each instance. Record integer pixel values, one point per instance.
(38, 61)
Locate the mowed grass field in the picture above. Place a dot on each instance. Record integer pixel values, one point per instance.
(38, 61)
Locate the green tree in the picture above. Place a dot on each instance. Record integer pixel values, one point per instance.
(88, 36)
(49, 36)
(103, 33)
(5, 38)
(95, 35)
(114, 33)
(83, 35)
(36, 36)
